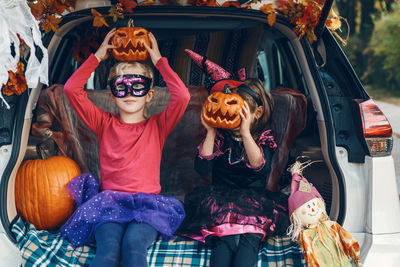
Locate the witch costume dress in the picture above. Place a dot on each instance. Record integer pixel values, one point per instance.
(237, 201)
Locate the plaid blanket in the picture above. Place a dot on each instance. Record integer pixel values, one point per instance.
(42, 248)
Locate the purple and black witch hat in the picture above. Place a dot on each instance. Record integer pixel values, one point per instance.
(219, 76)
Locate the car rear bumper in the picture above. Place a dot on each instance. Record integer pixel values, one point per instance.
(9, 253)
(384, 250)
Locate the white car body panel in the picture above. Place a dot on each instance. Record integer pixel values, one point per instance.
(372, 208)
(384, 251)
(9, 253)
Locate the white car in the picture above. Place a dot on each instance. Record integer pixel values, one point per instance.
(344, 129)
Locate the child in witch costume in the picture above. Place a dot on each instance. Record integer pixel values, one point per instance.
(324, 242)
(128, 214)
(235, 213)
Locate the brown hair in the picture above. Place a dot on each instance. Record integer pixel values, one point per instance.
(267, 101)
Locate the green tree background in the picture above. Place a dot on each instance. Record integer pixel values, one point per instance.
(374, 43)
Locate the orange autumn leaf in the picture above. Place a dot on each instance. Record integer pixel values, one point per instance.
(36, 9)
(147, 3)
(113, 12)
(68, 3)
(98, 20)
(16, 83)
(202, 2)
(50, 24)
(268, 8)
(231, 4)
(271, 19)
(128, 5)
(270, 11)
(20, 68)
(56, 7)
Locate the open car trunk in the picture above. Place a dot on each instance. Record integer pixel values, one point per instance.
(233, 40)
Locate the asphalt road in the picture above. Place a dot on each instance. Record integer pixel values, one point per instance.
(392, 113)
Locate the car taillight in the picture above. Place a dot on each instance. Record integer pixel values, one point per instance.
(376, 128)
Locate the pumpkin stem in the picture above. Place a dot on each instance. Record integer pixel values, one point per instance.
(227, 89)
(130, 23)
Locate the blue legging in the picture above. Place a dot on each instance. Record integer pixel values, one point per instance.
(134, 239)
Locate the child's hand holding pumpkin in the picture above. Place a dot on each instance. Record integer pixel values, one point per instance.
(209, 128)
(247, 120)
(154, 52)
(102, 53)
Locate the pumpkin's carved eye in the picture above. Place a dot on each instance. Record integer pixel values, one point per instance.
(214, 100)
(122, 34)
(140, 33)
(232, 102)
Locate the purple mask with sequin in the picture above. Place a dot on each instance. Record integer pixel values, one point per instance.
(134, 84)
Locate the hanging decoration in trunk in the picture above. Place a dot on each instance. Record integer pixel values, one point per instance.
(20, 33)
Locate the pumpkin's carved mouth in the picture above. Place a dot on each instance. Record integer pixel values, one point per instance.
(129, 47)
(218, 116)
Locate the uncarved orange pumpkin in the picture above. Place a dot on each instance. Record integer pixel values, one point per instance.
(41, 195)
(129, 42)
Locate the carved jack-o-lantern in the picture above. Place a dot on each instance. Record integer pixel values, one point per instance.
(222, 110)
(129, 42)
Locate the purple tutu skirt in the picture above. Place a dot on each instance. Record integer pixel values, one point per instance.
(94, 208)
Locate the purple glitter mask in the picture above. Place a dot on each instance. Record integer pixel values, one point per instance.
(134, 84)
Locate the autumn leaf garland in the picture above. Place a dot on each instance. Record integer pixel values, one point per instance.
(269, 9)
(128, 5)
(49, 12)
(99, 20)
(115, 12)
(304, 15)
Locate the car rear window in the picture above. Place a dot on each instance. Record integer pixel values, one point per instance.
(262, 50)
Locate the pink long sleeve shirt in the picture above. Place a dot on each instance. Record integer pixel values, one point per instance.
(130, 153)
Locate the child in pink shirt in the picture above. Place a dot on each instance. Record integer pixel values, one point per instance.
(128, 214)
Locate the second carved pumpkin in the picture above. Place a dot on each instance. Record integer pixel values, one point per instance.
(222, 109)
(129, 42)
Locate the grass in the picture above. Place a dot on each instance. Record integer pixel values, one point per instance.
(383, 95)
